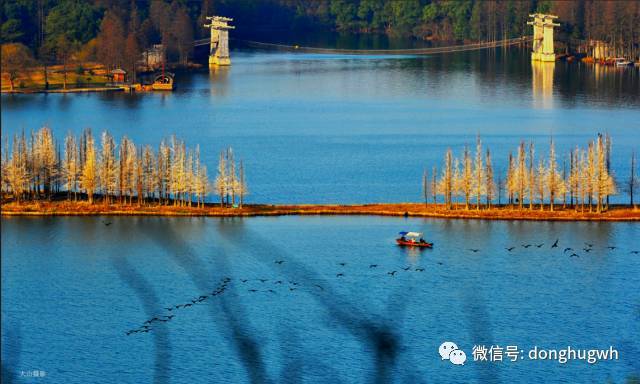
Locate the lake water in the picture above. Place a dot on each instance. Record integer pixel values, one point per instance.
(330, 129)
(73, 286)
(357, 129)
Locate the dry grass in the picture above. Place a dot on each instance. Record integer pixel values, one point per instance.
(33, 79)
(83, 208)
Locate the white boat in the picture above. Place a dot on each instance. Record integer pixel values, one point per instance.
(622, 62)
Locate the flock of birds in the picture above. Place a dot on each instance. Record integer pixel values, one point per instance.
(588, 247)
(148, 324)
(265, 285)
(257, 285)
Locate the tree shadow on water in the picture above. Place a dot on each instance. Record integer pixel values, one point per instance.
(379, 335)
(11, 347)
(151, 305)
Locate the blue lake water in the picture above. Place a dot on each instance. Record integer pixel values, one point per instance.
(357, 129)
(330, 129)
(72, 287)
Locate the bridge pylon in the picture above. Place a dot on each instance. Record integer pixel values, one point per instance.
(219, 48)
(543, 37)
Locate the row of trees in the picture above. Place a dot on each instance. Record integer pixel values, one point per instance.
(587, 182)
(114, 33)
(113, 29)
(611, 21)
(36, 168)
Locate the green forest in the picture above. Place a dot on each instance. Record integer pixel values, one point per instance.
(114, 32)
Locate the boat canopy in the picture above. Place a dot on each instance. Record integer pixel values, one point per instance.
(410, 234)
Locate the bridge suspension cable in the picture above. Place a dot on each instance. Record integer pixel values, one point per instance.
(408, 51)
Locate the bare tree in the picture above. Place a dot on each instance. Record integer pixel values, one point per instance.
(231, 172)
(490, 186)
(148, 173)
(479, 174)
(221, 179)
(445, 185)
(541, 183)
(605, 185)
(89, 180)
(108, 167)
(434, 185)
(510, 182)
(521, 178)
(16, 174)
(555, 184)
(632, 177)
(467, 177)
(607, 148)
(71, 166)
(48, 159)
(532, 175)
(242, 185)
(425, 187)
(590, 174)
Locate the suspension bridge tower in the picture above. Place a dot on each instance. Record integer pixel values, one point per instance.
(543, 37)
(219, 49)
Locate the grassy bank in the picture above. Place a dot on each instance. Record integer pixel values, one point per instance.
(86, 76)
(82, 208)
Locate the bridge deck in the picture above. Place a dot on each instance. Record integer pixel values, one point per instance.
(409, 51)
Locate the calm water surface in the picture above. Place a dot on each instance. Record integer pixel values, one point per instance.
(355, 129)
(71, 287)
(330, 129)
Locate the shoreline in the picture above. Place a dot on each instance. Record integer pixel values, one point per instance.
(44, 208)
(68, 90)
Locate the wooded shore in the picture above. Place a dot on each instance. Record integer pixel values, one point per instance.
(83, 208)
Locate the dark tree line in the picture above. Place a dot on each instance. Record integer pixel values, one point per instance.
(114, 31)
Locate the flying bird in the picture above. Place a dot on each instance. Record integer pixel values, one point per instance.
(474, 250)
(279, 261)
(635, 252)
(253, 290)
(342, 264)
(567, 249)
(555, 245)
(392, 273)
(373, 266)
(407, 268)
(573, 255)
(340, 275)
(526, 245)
(107, 223)
(611, 247)
(419, 269)
(510, 249)
(540, 245)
